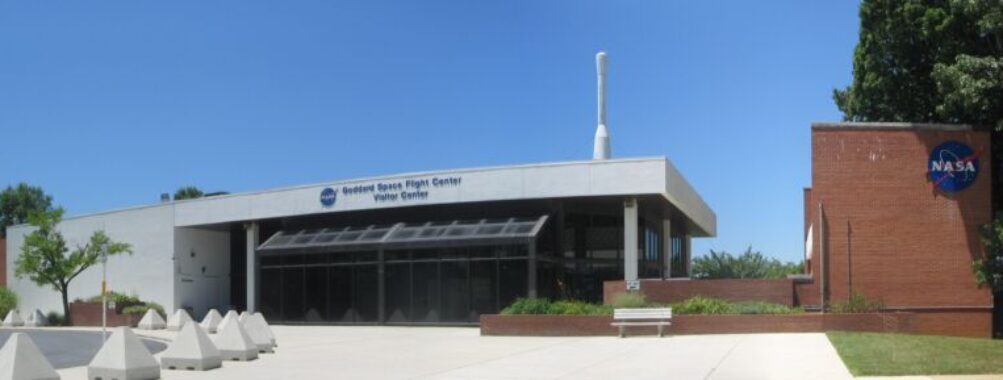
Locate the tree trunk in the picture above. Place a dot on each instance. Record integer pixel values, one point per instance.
(66, 309)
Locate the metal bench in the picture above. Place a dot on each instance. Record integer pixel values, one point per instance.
(661, 317)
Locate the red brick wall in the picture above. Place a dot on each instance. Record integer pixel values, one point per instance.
(583, 325)
(89, 314)
(889, 234)
(779, 291)
(3, 263)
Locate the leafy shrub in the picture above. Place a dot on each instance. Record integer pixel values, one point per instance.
(55, 319)
(857, 304)
(142, 308)
(629, 300)
(701, 305)
(751, 264)
(762, 308)
(118, 298)
(8, 301)
(527, 306)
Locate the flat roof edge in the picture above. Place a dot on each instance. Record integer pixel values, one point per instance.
(824, 125)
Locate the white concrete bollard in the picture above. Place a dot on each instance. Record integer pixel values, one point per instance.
(211, 321)
(192, 350)
(36, 319)
(268, 329)
(233, 342)
(151, 321)
(123, 357)
(258, 332)
(178, 320)
(20, 359)
(13, 319)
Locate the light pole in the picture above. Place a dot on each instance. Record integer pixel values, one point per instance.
(104, 293)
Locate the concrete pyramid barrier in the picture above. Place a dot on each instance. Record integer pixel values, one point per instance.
(178, 320)
(20, 359)
(244, 315)
(13, 319)
(151, 321)
(192, 350)
(268, 329)
(123, 357)
(36, 319)
(211, 321)
(232, 340)
(259, 333)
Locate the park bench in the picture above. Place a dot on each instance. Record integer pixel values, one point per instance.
(661, 317)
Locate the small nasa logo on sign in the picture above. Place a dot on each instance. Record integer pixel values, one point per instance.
(328, 196)
(953, 166)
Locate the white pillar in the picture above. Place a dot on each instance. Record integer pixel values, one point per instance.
(667, 246)
(630, 239)
(252, 266)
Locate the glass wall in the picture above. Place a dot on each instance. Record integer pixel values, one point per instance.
(442, 285)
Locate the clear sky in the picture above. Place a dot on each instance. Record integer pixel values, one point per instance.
(107, 104)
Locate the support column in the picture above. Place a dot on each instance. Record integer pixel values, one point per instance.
(630, 239)
(252, 266)
(531, 276)
(667, 247)
(687, 257)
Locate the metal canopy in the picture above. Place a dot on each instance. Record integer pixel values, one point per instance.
(406, 235)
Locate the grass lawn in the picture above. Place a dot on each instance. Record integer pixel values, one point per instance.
(876, 354)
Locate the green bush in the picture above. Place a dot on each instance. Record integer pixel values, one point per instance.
(55, 319)
(527, 306)
(701, 305)
(118, 298)
(8, 301)
(858, 303)
(142, 308)
(763, 308)
(629, 301)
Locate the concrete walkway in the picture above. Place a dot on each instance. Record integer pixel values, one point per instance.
(461, 353)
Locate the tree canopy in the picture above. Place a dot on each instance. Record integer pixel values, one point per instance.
(751, 264)
(44, 258)
(188, 192)
(18, 202)
(927, 61)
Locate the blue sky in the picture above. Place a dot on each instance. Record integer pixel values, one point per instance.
(108, 104)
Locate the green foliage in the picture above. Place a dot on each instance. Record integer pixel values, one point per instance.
(751, 264)
(44, 258)
(118, 298)
(562, 307)
(763, 308)
(857, 303)
(701, 305)
(129, 303)
(187, 192)
(141, 309)
(55, 319)
(988, 271)
(17, 203)
(8, 301)
(629, 300)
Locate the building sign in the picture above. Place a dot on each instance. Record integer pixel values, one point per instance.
(393, 191)
(953, 166)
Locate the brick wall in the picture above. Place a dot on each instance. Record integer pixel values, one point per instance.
(889, 234)
(89, 314)
(779, 291)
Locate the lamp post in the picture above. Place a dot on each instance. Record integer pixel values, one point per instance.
(104, 293)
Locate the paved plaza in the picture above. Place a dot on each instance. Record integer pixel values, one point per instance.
(329, 352)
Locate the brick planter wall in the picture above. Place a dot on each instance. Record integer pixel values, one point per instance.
(89, 314)
(779, 291)
(586, 325)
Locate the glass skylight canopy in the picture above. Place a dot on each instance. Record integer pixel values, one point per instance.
(406, 235)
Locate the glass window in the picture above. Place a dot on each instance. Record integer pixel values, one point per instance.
(455, 291)
(425, 285)
(292, 294)
(366, 293)
(483, 283)
(512, 281)
(316, 294)
(398, 292)
(271, 294)
(340, 293)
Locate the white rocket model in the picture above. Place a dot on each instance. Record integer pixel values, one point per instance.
(600, 148)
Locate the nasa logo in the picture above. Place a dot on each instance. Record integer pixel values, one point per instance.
(953, 166)
(328, 196)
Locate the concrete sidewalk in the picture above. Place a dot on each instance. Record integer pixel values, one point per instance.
(324, 352)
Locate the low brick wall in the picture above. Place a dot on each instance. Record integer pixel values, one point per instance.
(89, 314)
(587, 325)
(779, 291)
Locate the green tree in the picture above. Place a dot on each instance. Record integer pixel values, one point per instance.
(187, 192)
(751, 264)
(989, 270)
(44, 258)
(17, 203)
